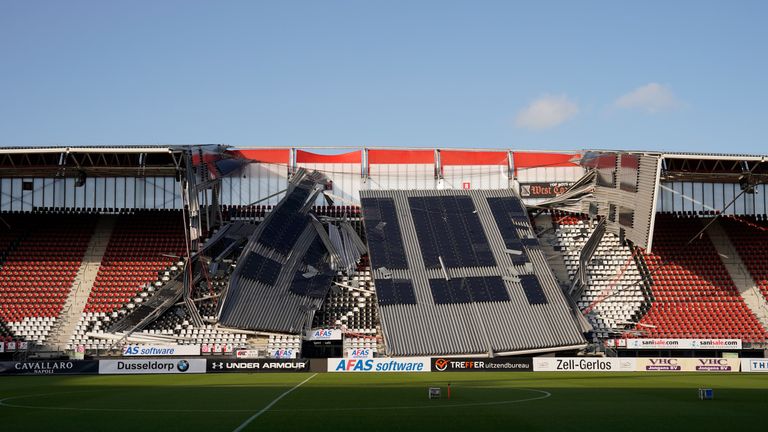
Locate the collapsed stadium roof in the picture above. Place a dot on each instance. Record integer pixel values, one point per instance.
(431, 302)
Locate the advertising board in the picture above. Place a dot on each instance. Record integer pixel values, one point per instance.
(257, 365)
(323, 334)
(49, 367)
(151, 366)
(583, 364)
(714, 344)
(384, 364)
(161, 350)
(754, 365)
(512, 364)
(672, 364)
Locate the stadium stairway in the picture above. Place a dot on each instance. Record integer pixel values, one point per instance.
(82, 285)
(738, 272)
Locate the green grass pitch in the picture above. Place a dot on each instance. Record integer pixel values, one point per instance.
(384, 402)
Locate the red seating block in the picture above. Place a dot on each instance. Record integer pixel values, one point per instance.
(134, 257)
(694, 297)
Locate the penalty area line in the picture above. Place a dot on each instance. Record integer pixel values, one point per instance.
(271, 404)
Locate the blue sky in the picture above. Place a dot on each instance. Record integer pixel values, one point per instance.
(651, 75)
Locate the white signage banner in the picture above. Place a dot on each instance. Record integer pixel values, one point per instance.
(713, 344)
(359, 353)
(151, 366)
(160, 350)
(323, 334)
(283, 353)
(247, 353)
(754, 365)
(382, 364)
(672, 364)
(583, 364)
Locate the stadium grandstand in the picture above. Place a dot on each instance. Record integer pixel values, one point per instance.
(290, 252)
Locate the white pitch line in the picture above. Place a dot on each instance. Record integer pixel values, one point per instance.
(266, 408)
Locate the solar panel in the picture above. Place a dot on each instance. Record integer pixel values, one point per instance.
(315, 254)
(530, 242)
(427, 241)
(497, 291)
(532, 289)
(448, 227)
(261, 268)
(519, 259)
(395, 292)
(287, 224)
(468, 290)
(385, 243)
(439, 288)
(506, 211)
(316, 286)
(220, 246)
(449, 291)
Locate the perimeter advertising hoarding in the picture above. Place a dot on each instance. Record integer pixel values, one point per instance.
(161, 350)
(260, 365)
(583, 364)
(151, 366)
(394, 364)
(754, 365)
(49, 367)
(440, 364)
(684, 344)
(672, 364)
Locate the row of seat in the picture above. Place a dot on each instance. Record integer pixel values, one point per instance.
(694, 295)
(41, 256)
(352, 304)
(140, 248)
(613, 294)
(749, 235)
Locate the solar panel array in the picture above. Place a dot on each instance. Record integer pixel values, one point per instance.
(395, 292)
(385, 244)
(532, 288)
(448, 227)
(315, 278)
(468, 290)
(505, 211)
(286, 226)
(261, 268)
